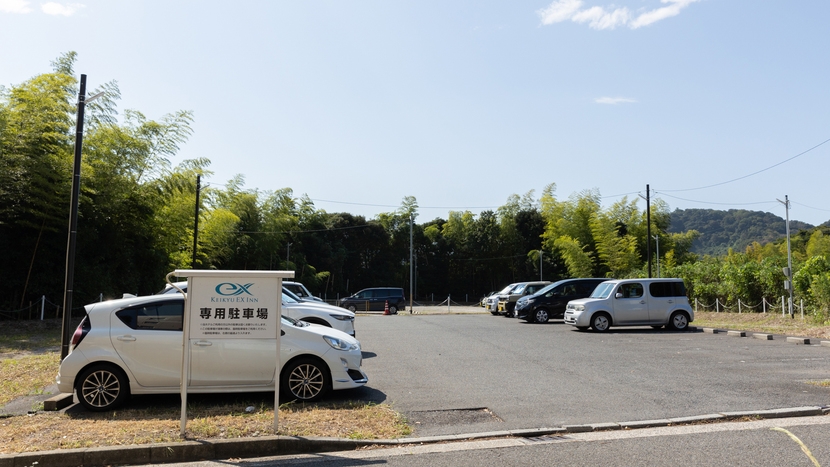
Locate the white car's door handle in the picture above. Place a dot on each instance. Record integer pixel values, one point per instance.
(203, 343)
(126, 338)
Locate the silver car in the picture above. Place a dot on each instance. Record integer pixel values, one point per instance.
(633, 302)
(134, 346)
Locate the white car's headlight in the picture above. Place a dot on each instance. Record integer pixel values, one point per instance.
(340, 344)
(343, 317)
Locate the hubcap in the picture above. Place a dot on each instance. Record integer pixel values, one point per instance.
(601, 323)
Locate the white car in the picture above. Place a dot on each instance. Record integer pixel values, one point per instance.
(633, 302)
(134, 346)
(491, 303)
(300, 291)
(294, 307)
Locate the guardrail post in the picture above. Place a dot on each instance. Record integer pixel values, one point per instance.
(42, 306)
(739, 306)
(717, 305)
(783, 307)
(764, 303)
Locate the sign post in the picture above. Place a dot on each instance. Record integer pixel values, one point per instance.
(230, 305)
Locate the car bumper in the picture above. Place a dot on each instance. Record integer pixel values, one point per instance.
(574, 319)
(346, 371)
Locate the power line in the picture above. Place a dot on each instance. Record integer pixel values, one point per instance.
(754, 173)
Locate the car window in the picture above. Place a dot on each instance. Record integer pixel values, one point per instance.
(531, 289)
(154, 317)
(288, 299)
(519, 289)
(603, 290)
(569, 289)
(632, 290)
(667, 289)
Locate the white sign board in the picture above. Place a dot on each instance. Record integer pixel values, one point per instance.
(230, 305)
(234, 308)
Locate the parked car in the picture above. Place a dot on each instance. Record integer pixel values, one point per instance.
(376, 299)
(134, 346)
(292, 306)
(507, 301)
(633, 302)
(491, 303)
(550, 302)
(299, 290)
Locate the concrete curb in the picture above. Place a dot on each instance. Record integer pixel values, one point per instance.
(192, 451)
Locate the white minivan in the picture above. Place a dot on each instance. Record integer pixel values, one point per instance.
(633, 302)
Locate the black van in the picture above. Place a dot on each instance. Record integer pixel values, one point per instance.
(550, 302)
(375, 299)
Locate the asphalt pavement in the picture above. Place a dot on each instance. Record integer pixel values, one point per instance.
(458, 373)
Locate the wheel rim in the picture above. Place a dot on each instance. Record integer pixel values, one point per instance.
(100, 389)
(601, 323)
(679, 321)
(306, 381)
(352, 308)
(541, 316)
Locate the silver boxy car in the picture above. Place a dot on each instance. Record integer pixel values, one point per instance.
(134, 346)
(633, 302)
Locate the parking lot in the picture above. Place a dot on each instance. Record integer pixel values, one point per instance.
(461, 373)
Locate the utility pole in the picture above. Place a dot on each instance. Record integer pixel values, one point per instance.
(411, 264)
(196, 221)
(647, 197)
(540, 265)
(788, 271)
(73, 220)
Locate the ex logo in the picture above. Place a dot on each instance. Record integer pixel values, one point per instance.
(231, 289)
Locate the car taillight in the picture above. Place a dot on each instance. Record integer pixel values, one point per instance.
(80, 332)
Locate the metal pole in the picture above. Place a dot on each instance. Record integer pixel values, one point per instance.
(411, 263)
(73, 224)
(196, 221)
(786, 204)
(648, 228)
(540, 265)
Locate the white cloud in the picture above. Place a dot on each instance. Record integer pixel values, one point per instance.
(615, 100)
(14, 6)
(59, 9)
(656, 15)
(559, 10)
(599, 17)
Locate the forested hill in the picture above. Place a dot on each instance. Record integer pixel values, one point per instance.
(735, 228)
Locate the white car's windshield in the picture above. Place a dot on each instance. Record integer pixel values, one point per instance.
(287, 299)
(507, 289)
(603, 290)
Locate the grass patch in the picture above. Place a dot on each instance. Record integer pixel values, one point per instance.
(23, 336)
(770, 323)
(51, 430)
(27, 375)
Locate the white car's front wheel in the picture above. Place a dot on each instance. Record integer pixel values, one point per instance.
(306, 379)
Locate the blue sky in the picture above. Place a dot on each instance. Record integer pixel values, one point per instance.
(460, 104)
